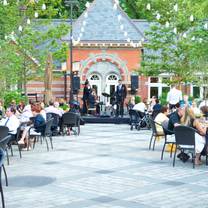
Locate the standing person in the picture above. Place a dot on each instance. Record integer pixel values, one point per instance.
(173, 98)
(120, 93)
(87, 91)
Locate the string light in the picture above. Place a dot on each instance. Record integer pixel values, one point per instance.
(148, 7)
(87, 5)
(175, 7)
(191, 18)
(158, 16)
(28, 21)
(20, 28)
(86, 15)
(43, 7)
(115, 6)
(119, 17)
(117, 2)
(5, 3)
(184, 35)
(36, 14)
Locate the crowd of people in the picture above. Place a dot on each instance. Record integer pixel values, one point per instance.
(179, 111)
(32, 115)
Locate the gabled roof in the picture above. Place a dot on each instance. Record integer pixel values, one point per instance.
(103, 24)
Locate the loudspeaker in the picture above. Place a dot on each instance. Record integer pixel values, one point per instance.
(134, 82)
(76, 83)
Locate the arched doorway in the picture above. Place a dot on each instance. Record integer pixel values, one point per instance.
(104, 76)
(95, 82)
(111, 83)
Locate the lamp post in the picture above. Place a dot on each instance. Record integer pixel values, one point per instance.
(71, 3)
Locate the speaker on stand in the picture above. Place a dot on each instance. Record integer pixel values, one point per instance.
(76, 84)
(134, 84)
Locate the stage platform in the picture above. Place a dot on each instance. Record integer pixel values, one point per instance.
(106, 119)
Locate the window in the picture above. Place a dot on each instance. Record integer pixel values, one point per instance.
(113, 77)
(196, 92)
(154, 79)
(94, 77)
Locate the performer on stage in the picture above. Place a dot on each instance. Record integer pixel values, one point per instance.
(87, 91)
(120, 93)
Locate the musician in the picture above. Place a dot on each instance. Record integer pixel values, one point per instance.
(94, 102)
(120, 94)
(86, 93)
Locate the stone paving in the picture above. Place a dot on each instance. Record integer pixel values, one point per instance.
(107, 166)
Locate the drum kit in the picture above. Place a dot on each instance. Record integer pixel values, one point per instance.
(109, 109)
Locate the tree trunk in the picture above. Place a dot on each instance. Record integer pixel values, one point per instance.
(48, 79)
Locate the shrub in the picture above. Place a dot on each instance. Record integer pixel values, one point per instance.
(137, 99)
(13, 96)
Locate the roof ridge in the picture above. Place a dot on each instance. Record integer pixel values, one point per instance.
(129, 19)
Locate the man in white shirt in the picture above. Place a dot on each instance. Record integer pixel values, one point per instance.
(11, 121)
(173, 98)
(52, 109)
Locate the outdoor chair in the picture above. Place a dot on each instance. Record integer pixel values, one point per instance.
(185, 140)
(71, 121)
(169, 138)
(14, 141)
(1, 166)
(4, 131)
(155, 133)
(3, 146)
(134, 119)
(55, 124)
(47, 133)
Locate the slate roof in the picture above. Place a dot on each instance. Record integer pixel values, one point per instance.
(103, 25)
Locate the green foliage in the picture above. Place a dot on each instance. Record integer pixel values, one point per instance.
(169, 52)
(24, 53)
(163, 98)
(13, 96)
(137, 99)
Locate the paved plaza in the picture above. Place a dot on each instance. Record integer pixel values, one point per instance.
(107, 166)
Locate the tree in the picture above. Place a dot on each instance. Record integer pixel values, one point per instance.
(169, 46)
(26, 44)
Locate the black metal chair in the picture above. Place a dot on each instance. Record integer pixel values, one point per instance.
(46, 133)
(3, 145)
(185, 140)
(55, 124)
(14, 141)
(4, 130)
(134, 119)
(169, 138)
(2, 156)
(155, 133)
(72, 121)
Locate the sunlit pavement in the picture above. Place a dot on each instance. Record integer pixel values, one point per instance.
(106, 166)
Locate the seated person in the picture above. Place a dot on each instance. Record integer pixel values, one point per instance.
(195, 109)
(161, 117)
(189, 120)
(141, 108)
(156, 108)
(11, 121)
(38, 124)
(174, 119)
(52, 109)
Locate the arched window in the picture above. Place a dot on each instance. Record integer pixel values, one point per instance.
(94, 77)
(112, 77)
